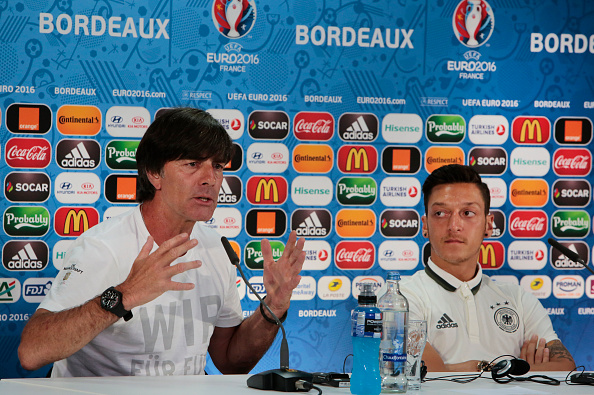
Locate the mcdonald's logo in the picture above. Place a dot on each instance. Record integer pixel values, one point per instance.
(531, 130)
(73, 221)
(491, 255)
(267, 190)
(357, 159)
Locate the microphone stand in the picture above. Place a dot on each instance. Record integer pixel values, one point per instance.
(571, 255)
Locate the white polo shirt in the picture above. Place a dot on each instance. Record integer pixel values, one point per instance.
(479, 319)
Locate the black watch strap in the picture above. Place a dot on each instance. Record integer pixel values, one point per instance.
(111, 300)
(269, 319)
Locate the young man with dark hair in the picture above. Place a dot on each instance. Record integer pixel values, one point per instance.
(161, 270)
(470, 318)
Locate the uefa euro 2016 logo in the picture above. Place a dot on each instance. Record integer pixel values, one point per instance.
(234, 18)
(473, 22)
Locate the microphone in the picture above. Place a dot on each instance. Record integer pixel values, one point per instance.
(283, 379)
(572, 255)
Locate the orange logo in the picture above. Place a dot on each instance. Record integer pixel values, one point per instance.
(529, 192)
(401, 160)
(313, 158)
(573, 131)
(236, 248)
(355, 223)
(126, 188)
(266, 222)
(79, 120)
(436, 157)
(28, 118)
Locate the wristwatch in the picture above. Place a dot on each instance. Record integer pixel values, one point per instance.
(111, 300)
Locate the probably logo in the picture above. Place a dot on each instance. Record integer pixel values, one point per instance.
(78, 154)
(268, 125)
(527, 255)
(27, 187)
(254, 258)
(313, 158)
(318, 255)
(401, 160)
(507, 319)
(10, 290)
(123, 121)
(572, 162)
(268, 158)
(316, 126)
(73, 221)
(398, 255)
(231, 190)
(334, 287)
(354, 255)
(400, 191)
(28, 153)
(26, 221)
(267, 190)
(232, 120)
(574, 131)
(436, 157)
(499, 223)
(488, 129)
(234, 18)
(571, 193)
(531, 130)
(560, 261)
(79, 120)
(359, 191)
(530, 161)
(446, 322)
(529, 192)
(492, 255)
(473, 22)
(266, 222)
(568, 287)
(312, 190)
(445, 128)
(35, 289)
(121, 154)
(402, 128)
(570, 224)
(25, 255)
(121, 188)
(355, 223)
(361, 127)
(530, 224)
(311, 223)
(400, 223)
(28, 118)
(489, 161)
(360, 159)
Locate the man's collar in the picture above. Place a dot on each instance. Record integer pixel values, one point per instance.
(448, 281)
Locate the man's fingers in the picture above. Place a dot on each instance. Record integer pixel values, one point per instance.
(531, 349)
(146, 248)
(266, 250)
(523, 351)
(538, 356)
(184, 267)
(546, 357)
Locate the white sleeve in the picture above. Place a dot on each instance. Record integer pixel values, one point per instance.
(536, 319)
(416, 305)
(231, 313)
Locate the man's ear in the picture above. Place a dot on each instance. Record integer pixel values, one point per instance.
(489, 225)
(154, 179)
(424, 230)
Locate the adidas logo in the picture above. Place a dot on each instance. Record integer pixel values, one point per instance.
(25, 259)
(226, 195)
(446, 322)
(78, 158)
(358, 126)
(311, 226)
(79, 152)
(358, 131)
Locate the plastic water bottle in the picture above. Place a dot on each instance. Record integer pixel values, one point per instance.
(366, 331)
(392, 356)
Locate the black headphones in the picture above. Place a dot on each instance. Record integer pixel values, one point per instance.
(503, 371)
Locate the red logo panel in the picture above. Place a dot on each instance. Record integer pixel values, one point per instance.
(492, 255)
(354, 255)
(528, 224)
(357, 159)
(267, 190)
(531, 130)
(28, 153)
(572, 162)
(317, 126)
(73, 221)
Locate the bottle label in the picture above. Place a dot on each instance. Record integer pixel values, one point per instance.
(367, 324)
(389, 357)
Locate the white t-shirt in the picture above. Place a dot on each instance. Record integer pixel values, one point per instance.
(167, 336)
(479, 319)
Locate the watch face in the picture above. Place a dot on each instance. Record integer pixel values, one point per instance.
(110, 299)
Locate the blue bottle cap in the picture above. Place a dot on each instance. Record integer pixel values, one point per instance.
(394, 276)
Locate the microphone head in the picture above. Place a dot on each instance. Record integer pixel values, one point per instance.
(230, 251)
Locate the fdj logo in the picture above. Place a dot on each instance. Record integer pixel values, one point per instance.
(254, 258)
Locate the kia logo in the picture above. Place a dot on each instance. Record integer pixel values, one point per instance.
(229, 221)
(138, 120)
(87, 185)
(277, 156)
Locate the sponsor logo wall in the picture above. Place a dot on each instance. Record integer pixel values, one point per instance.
(337, 120)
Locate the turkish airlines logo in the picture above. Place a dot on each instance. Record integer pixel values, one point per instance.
(488, 129)
(354, 255)
(572, 162)
(531, 130)
(28, 153)
(571, 193)
(267, 190)
(311, 223)
(528, 224)
(231, 190)
(28, 118)
(575, 131)
(27, 187)
(313, 126)
(266, 222)
(78, 154)
(490, 161)
(361, 159)
(269, 125)
(361, 127)
(491, 255)
(318, 255)
(232, 120)
(401, 160)
(73, 221)
(527, 255)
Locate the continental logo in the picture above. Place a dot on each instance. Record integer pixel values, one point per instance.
(267, 190)
(491, 255)
(266, 222)
(313, 158)
(78, 120)
(73, 221)
(355, 223)
(28, 118)
(529, 192)
(531, 130)
(574, 131)
(436, 157)
(401, 160)
(360, 159)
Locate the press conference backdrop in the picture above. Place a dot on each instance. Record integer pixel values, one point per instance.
(339, 111)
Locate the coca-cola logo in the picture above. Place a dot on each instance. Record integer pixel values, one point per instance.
(572, 162)
(528, 223)
(354, 255)
(28, 153)
(317, 126)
